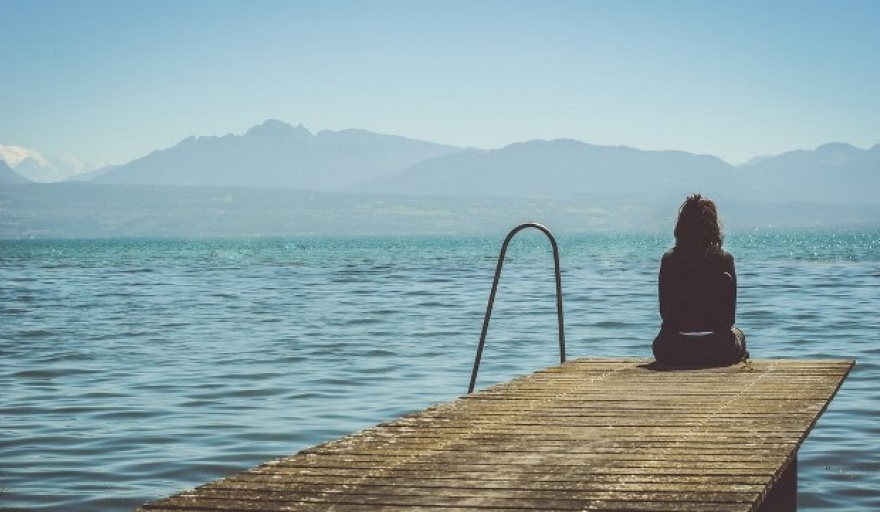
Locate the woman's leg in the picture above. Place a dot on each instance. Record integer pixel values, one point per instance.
(665, 350)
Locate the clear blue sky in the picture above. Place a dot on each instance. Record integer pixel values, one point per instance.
(111, 80)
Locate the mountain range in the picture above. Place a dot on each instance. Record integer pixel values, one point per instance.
(278, 155)
(279, 179)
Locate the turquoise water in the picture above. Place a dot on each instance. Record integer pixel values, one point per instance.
(133, 369)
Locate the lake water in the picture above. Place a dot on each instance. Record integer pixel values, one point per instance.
(134, 369)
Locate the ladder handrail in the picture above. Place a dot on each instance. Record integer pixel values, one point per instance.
(500, 264)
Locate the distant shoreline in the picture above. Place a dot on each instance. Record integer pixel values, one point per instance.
(75, 210)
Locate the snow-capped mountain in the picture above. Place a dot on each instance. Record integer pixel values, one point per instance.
(39, 168)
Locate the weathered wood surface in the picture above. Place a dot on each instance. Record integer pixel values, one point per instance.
(587, 435)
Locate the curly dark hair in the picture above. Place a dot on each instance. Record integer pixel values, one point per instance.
(698, 228)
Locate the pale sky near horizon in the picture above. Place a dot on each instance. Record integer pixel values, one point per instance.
(111, 80)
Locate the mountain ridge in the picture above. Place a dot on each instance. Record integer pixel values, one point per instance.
(276, 154)
(563, 167)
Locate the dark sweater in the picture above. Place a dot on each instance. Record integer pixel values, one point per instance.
(697, 292)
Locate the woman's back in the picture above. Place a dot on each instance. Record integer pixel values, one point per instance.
(697, 291)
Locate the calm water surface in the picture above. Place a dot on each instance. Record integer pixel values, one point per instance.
(133, 369)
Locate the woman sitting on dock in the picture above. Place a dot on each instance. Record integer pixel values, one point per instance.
(697, 288)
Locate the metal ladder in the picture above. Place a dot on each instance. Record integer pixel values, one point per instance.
(507, 240)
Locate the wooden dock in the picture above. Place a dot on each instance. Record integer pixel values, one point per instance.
(591, 434)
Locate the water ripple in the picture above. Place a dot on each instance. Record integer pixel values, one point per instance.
(134, 369)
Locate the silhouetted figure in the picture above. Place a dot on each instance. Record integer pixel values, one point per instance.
(697, 291)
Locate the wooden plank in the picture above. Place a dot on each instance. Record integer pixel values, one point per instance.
(591, 434)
